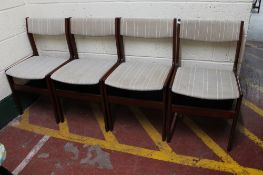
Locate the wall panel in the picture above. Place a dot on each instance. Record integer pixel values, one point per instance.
(14, 44)
(12, 22)
(13, 50)
(9, 4)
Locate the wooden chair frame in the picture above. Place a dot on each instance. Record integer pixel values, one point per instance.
(59, 93)
(200, 111)
(255, 6)
(37, 90)
(161, 105)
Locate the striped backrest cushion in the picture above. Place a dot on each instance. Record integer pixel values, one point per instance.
(93, 26)
(147, 28)
(208, 30)
(46, 26)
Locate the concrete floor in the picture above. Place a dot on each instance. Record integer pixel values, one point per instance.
(36, 145)
(256, 26)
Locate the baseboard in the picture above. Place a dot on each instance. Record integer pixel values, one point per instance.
(8, 109)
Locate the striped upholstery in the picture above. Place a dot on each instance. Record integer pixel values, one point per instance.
(36, 67)
(208, 30)
(203, 83)
(147, 28)
(93, 26)
(46, 26)
(139, 76)
(83, 71)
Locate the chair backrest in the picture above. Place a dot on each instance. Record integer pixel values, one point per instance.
(146, 27)
(90, 29)
(145, 31)
(210, 43)
(210, 30)
(46, 26)
(93, 26)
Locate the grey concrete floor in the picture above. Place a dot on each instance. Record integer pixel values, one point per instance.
(255, 29)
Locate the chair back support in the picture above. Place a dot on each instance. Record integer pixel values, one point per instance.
(147, 28)
(208, 30)
(46, 26)
(93, 26)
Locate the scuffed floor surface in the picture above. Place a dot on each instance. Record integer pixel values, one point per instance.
(36, 145)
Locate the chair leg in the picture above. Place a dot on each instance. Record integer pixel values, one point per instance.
(108, 109)
(4, 171)
(165, 123)
(58, 102)
(105, 113)
(232, 132)
(165, 113)
(103, 105)
(53, 99)
(60, 108)
(106, 123)
(173, 121)
(234, 124)
(15, 95)
(169, 115)
(109, 114)
(111, 123)
(168, 126)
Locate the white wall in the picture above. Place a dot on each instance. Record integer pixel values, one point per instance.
(13, 40)
(14, 44)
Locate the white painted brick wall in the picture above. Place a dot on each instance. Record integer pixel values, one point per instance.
(13, 40)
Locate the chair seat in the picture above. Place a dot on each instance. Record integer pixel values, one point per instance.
(2, 154)
(203, 83)
(36, 67)
(85, 71)
(139, 76)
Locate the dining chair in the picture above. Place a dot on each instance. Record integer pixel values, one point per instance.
(37, 69)
(200, 90)
(81, 78)
(142, 82)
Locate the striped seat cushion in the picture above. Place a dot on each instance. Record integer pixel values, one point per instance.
(46, 26)
(203, 83)
(139, 76)
(210, 30)
(36, 67)
(86, 71)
